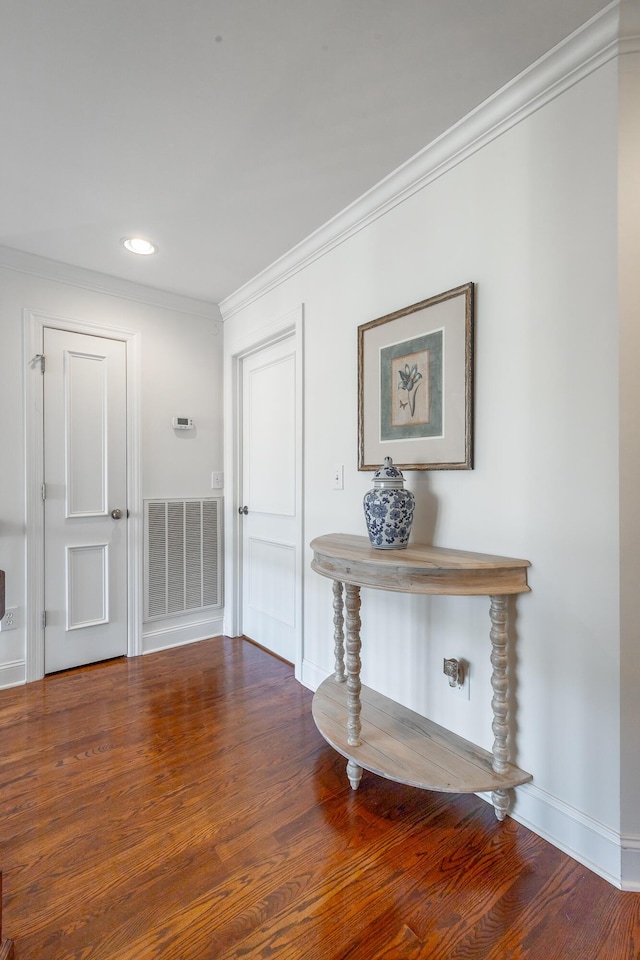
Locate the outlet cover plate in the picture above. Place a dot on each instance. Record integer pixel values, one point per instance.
(463, 690)
(10, 619)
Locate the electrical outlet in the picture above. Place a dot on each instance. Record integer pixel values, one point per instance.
(338, 476)
(10, 619)
(462, 687)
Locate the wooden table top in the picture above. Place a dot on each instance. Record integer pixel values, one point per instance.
(418, 568)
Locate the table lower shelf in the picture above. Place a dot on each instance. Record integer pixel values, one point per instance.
(403, 746)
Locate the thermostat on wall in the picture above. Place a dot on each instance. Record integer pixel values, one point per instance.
(182, 423)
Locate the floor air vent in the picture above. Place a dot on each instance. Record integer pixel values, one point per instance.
(183, 556)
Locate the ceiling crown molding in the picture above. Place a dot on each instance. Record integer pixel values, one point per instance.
(601, 39)
(73, 276)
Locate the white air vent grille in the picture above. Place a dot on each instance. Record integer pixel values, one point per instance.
(183, 556)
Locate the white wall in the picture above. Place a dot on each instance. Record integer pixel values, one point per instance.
(532, 219)
(180, 373)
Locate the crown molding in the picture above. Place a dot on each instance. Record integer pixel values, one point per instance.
(598, 41)
(74, 276)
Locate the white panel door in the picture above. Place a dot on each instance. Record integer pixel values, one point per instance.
(269, 484)
(85, 482)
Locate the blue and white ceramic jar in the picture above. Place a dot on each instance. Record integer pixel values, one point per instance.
(388, 509)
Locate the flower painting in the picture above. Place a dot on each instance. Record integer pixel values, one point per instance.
(411, 376)
(415, 384)
(411, 388)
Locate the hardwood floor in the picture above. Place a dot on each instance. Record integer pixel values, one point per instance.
(183, 805)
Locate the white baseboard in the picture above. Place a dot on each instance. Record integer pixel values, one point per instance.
(162, 638)
(630, 864)
(13, 674)
(312, 675)
(582, 838)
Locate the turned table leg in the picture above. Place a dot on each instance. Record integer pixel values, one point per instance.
(353, 664)
(338, 632)
(352, 601)
(499, 702)
(354, 773)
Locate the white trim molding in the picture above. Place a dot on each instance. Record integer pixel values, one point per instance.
(34, 323)
(312, 675)
(238, 346)
(585, 839)
(12, 674)
(630, 864)
(601, 39)
(156, 638)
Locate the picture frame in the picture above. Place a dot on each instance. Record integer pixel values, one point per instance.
(415, 385)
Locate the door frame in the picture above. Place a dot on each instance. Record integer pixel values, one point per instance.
(288, 325)
(34, 324)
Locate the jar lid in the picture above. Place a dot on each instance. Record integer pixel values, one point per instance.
(387, 473)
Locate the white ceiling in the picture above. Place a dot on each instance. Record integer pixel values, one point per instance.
(228, 130)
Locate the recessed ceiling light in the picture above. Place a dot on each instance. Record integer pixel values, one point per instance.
(138, 245)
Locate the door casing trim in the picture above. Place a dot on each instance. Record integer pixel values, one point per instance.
(289, 324)
(34, 323)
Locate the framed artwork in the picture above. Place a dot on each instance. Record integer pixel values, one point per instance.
(415, 385)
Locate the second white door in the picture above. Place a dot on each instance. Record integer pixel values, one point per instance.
(269, 500)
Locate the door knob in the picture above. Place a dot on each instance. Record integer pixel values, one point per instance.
(244, 510)
(116, 514)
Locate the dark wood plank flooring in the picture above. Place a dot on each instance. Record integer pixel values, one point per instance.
(183, 805)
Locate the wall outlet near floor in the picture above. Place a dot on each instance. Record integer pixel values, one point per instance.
(10, 619)
(460, 672)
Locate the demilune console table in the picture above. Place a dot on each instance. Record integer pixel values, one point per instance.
(373, 732)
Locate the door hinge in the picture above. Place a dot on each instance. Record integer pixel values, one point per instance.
(39, 358)
(44, 491)
(44, 619)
